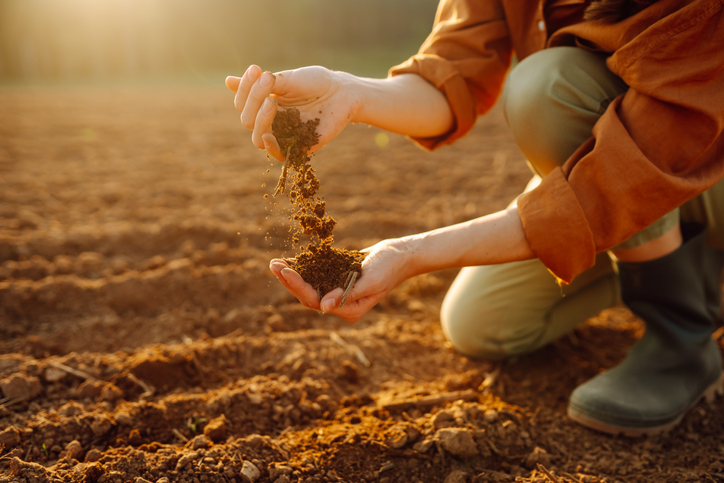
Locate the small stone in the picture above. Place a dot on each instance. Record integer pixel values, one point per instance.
(71, 409)
(111, 392)
(232, 316)
(283, 479)
(536, 457)
(185, 460)
(277, 471)
(457, 442)
(134, 438)
(199, 442)
(75, 450)
(415, 305)
(457, 476)
(413, 432)
(92, 456)
(255, 399)
(53, 374)
(423, 446)
(21, 387)
(163, 479)
(90, 390)
(387, 467)
(255, 440)
(397, 437)
(101, 425)
(443, 419)
(124, 418)
(250, 471)
(490, 415)
(276, 322)
(494, 476)
(216, 429)
(141, 480)
(9, 437)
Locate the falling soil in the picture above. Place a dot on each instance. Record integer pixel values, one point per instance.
(322, 266)
(143, 337)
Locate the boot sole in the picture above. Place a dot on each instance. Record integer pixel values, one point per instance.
(717, 388)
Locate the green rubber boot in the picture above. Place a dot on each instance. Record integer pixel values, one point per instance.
(676, 362)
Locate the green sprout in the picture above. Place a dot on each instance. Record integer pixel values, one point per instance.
(194, 422)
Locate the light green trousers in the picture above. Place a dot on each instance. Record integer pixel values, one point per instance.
(552, 99)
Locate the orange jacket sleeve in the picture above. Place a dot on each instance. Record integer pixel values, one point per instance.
(657, 146)
(466, 57)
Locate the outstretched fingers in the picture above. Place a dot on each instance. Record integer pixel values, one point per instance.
(272, 146)
(258, 92)
(243, 88)
(262, 136)
(295, 284)
(232, 82)
(257, 106)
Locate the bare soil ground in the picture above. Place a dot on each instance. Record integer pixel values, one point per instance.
(143, 338)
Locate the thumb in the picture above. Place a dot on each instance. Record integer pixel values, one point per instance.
(282, 82)
(232, 82)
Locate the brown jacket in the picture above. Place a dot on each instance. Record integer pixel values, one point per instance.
(657, 146)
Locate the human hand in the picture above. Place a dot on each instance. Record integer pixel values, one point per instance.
(384, 268)
(316, 92)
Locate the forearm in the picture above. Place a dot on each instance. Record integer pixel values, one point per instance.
(492, 239)
(405, 104)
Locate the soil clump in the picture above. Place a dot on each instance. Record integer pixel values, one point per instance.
(321, 265)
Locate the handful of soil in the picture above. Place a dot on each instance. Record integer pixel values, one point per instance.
(320, 265)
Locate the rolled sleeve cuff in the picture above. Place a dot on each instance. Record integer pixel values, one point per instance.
(440, 73)
(556, 227)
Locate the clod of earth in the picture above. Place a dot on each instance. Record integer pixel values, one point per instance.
(320, 264)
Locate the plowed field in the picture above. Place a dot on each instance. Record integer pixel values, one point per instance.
(143, 338)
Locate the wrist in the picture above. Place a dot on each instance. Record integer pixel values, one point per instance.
(411, 251)
(353, 88)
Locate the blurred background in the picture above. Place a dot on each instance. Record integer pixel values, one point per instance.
(197, 41)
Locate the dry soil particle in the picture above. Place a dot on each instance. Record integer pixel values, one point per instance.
(321, 265)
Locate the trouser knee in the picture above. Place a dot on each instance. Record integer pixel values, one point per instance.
(498, 311)
(553, 98)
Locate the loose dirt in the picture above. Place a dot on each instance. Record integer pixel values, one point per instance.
(143, 338)
(322, 266)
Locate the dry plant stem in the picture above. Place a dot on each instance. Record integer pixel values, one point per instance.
(12, 401)
(490, 379)
(147, 390)
(75, 372)
(570, 476)
(351, 348)
(547, 473)
(180, 435)
(433, 400)
(351, 278)
(282, 183)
